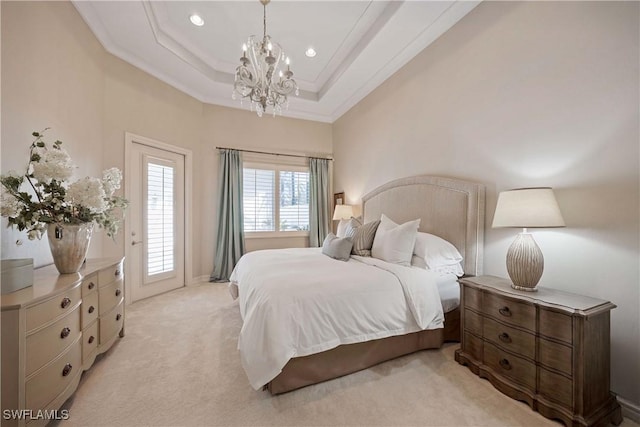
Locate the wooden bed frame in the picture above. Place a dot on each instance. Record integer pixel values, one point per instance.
(450, 208)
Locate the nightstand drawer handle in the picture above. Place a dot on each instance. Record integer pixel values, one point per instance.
(505, 311)
(117, 273)
(118, 292)
(504, 363)
(65, 333)
(91, 338)
(91, 309)
(504, 337)
(65, 302)
(67, 369)
(91, 285)
(118, 317)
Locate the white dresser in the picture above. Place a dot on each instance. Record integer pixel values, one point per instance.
(52, 331)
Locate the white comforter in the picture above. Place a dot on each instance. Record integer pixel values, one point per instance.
(297, 302)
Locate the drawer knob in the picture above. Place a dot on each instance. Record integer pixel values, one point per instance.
(504, 363)
(67, 369)
(91, 339)
(505, 311)
(65, 302)
(118, 292)
(118, 316)
(65, 333)
(91, 285)
(117, 273)
(91, 309)
(504, 337)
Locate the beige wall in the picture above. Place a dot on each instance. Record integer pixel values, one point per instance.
(55, 73)
(52, 76)
(522, 94)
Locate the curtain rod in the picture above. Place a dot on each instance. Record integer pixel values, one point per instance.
(274, 154)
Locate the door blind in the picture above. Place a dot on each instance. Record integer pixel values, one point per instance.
(160, 215)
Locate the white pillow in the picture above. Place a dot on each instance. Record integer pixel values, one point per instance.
(394, 243)
(341, 231)
(438, 254)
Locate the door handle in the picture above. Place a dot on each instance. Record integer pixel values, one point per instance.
(133, 243)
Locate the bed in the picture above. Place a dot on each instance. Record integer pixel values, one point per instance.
(319, 297)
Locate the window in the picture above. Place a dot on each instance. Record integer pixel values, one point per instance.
(276, 199)
(159, 218)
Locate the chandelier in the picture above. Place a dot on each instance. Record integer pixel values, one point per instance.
(261, 76)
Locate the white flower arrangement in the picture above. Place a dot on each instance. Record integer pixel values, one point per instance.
(50, 199)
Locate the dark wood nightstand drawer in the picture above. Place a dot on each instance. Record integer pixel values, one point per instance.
(556, 325)
(472, 298)
(509, 311)
(511, 339)
(556, 387)
(472, 345)
(473, 322)
(556, 356)
(517, 369)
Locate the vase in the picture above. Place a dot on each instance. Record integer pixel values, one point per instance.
(69, 244)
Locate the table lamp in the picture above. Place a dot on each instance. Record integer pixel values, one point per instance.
(342, 212)
(526, 208)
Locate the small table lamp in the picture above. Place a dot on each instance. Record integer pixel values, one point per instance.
(342, 212)
(526, 208)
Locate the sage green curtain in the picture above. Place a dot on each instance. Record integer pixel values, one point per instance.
(230, 239)
(318, 201)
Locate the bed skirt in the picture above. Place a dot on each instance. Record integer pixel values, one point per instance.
(349, 358)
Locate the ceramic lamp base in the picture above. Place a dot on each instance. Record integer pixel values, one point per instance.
(525, 263)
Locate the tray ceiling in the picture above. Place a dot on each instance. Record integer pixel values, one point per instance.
(359, 44)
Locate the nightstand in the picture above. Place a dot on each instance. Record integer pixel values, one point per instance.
(549, 349)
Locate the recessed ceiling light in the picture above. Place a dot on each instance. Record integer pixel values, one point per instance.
(310, 53)
(196, 20)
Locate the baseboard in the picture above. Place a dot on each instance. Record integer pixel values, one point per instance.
(629, 410)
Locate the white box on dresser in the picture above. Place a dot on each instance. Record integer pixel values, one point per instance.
(54, 330)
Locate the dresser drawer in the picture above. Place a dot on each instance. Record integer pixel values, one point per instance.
(509, 311)
(472, 345)
(89, 309)
(52, 380)
(111, 323)
(510, 339)
(473, 322)
(89, 285)
(110, 296)
(556, 356)
(556, 325)
(517, 369)
(556, 387)
(472, 298)
(47, 343)
(44, 312)
(110, 274)
(89, 341)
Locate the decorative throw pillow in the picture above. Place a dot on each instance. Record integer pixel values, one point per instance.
(438, 254)
(342, 228)
(337, 247)
(394, 243)
(351, 227)
(362, 236)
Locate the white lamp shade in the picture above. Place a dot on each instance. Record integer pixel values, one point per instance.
(342, 212)
(527, 208)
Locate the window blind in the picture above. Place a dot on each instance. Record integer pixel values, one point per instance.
(294, 201)
(258, 199)
(160, 238)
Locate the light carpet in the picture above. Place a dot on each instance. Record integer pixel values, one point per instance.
(178, 365)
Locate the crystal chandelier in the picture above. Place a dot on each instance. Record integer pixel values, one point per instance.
(261, 76)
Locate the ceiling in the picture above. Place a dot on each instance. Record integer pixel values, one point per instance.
(359, 44)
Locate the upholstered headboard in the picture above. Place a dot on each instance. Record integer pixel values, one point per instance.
(450, 208)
